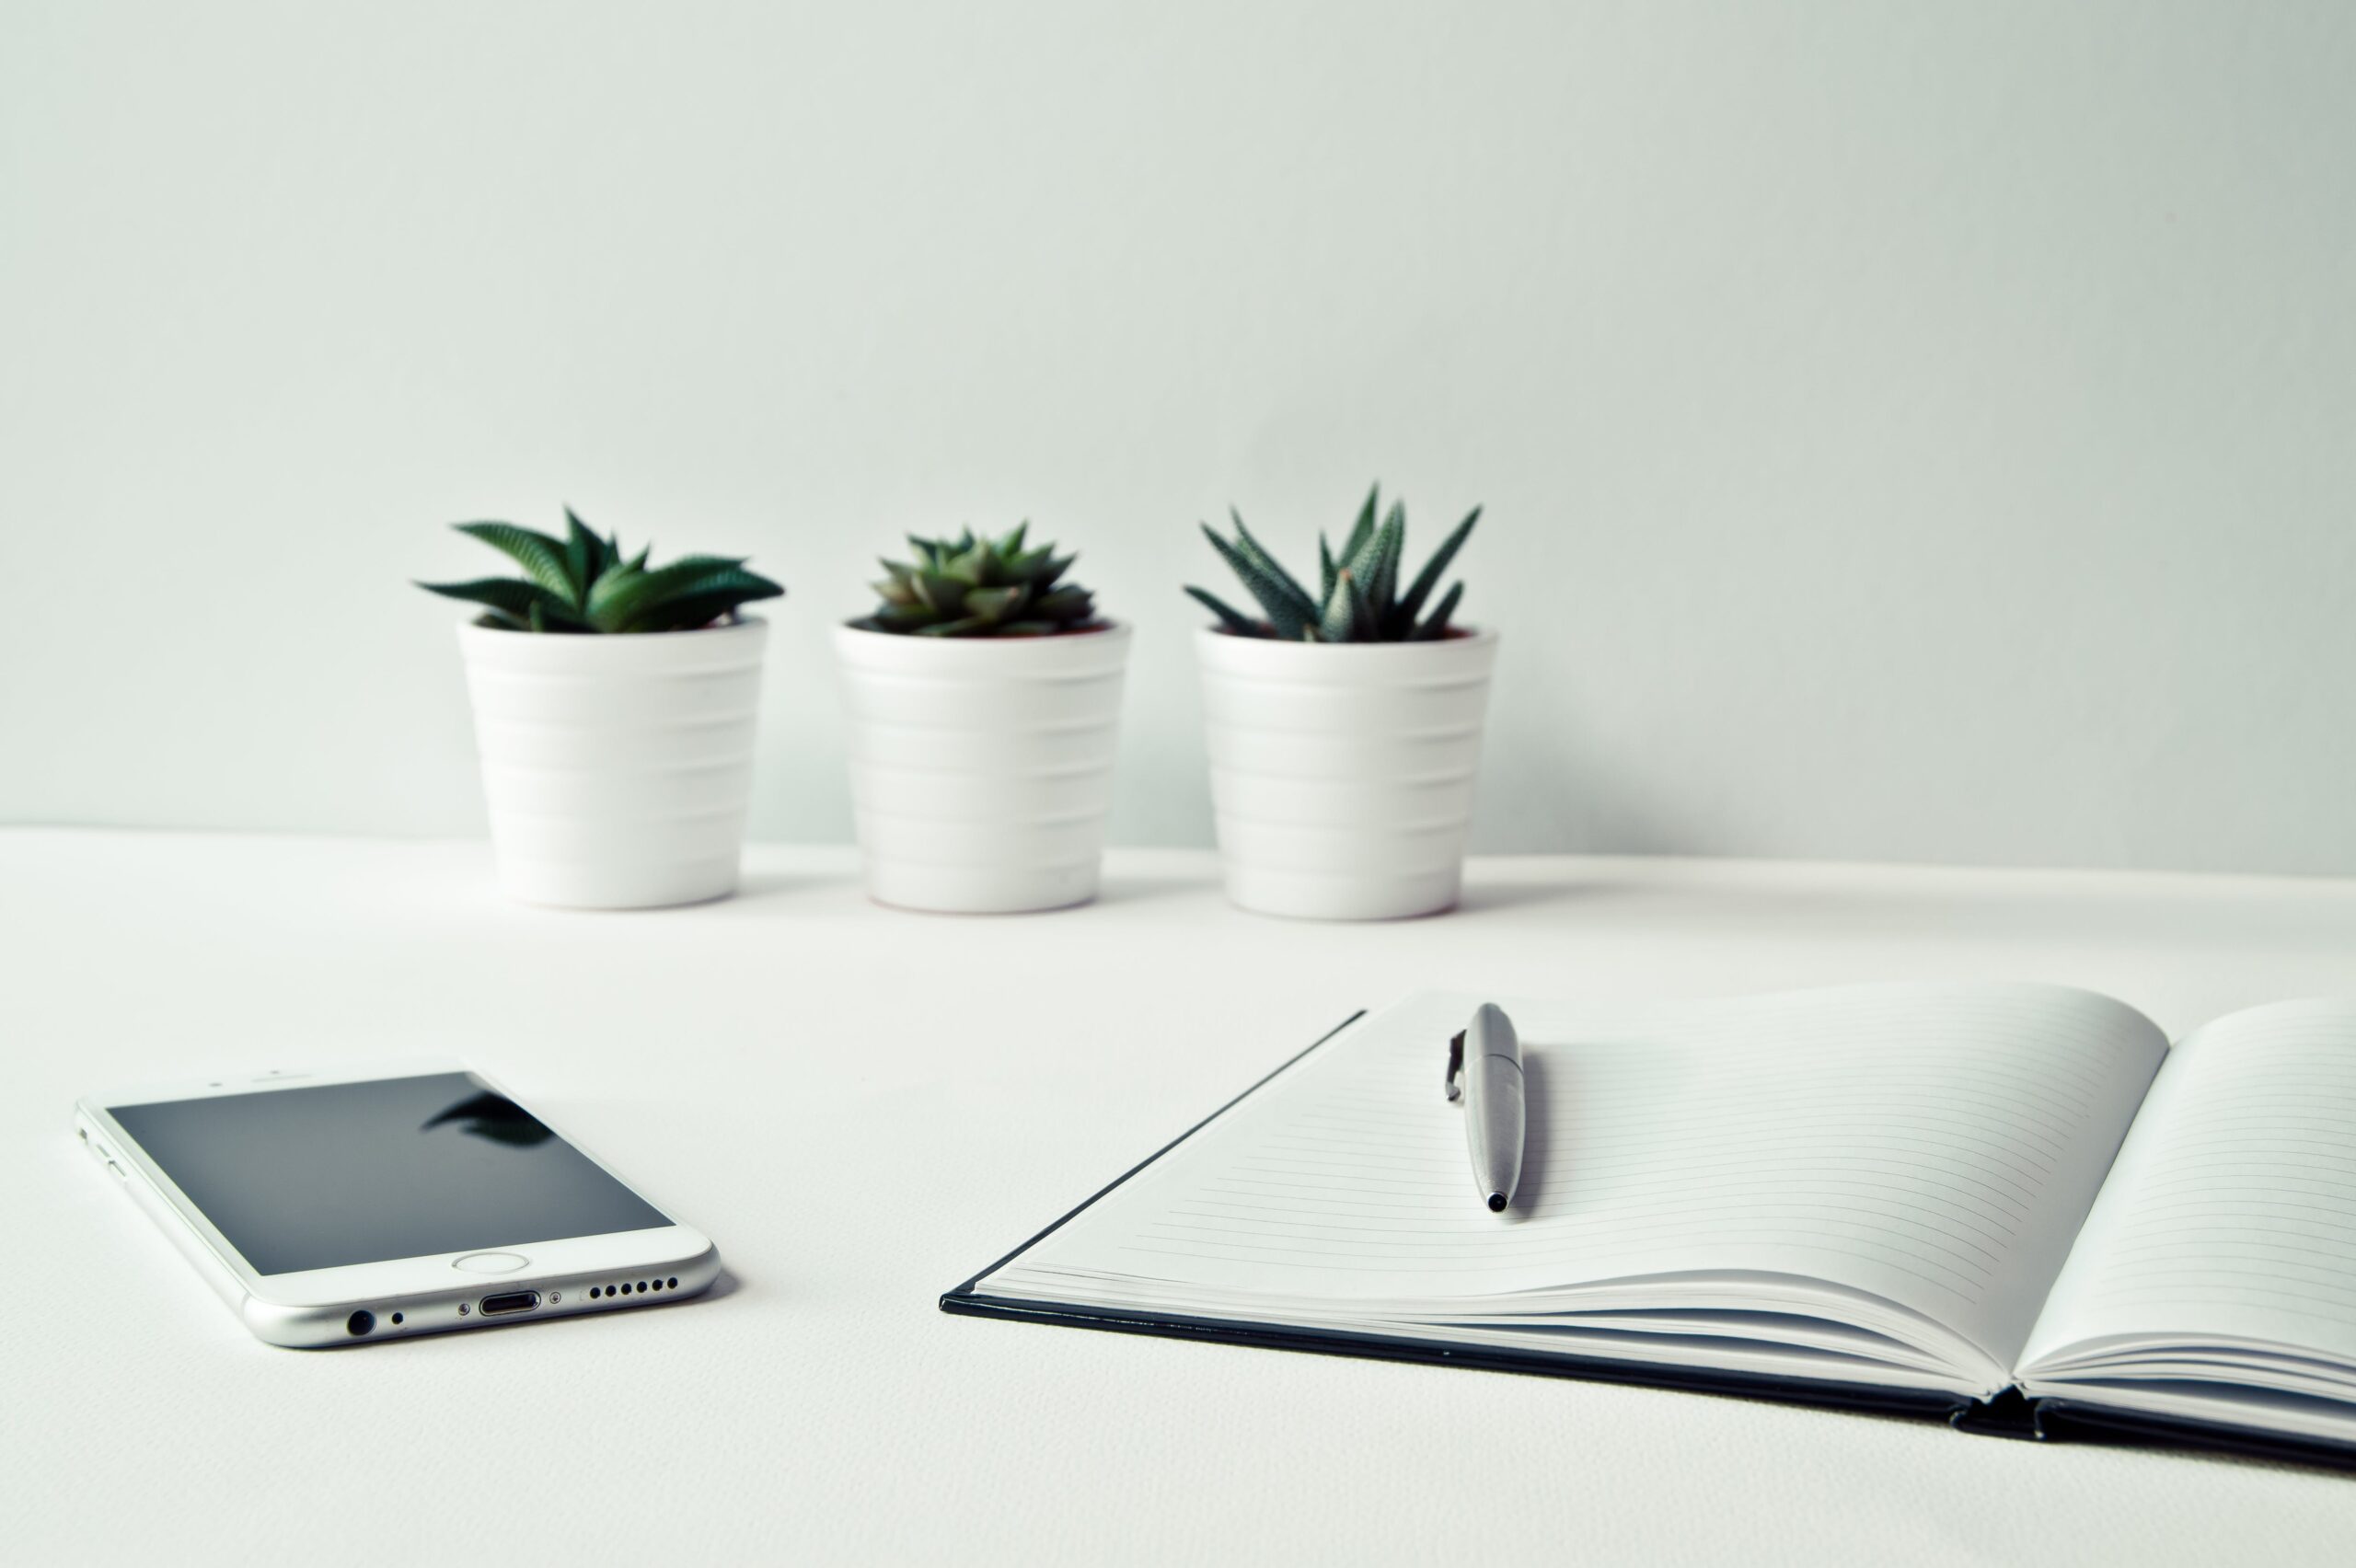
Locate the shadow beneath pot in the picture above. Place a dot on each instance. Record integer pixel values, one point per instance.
(757, 885)
(1479, 899)
(1134, 887)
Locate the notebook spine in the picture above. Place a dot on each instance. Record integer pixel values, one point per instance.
(1917, 1403)
(2068, 1419)
(2009, 1414)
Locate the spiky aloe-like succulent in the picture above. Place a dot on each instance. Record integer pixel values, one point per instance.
(970, 587)
(1358, 598)
(583, 583)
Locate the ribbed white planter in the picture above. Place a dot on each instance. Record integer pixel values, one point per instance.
(981, 767)
(617, 767)
(1342, 774)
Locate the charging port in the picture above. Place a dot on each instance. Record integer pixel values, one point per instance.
(513, 1302)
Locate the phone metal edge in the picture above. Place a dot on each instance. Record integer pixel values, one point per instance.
(323, 1323)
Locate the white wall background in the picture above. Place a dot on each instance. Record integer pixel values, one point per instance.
(1919, 431)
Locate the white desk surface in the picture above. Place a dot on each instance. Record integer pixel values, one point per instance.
(863, 1107)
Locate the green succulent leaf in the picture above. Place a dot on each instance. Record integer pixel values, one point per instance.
(1259, 556)
(541, 557)
(899, 618)
(1287, 618)
(968, 626)
(1363, 529)
(996, 604)
(1340, 616)
(1437, 626)
(1366, 563)
(1068, 603)
(620, 597)
(582, 584)
(1384, 587)
(584, 556)
(1235, 620)
(939, 592)
(978, 586)
(509, 600)
(1358, 598)
(1363, 620)
(1411, 604)
(972, 565)
(687, 602)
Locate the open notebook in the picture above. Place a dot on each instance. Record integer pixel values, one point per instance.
(2014, 1205)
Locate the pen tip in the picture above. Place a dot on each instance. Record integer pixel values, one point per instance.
(1496, 1202)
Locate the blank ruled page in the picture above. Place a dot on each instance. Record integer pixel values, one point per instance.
(2231, 1212)
(1934, 1146)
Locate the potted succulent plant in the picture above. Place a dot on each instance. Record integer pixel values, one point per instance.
(985, 695)
(614, 708)
(1344, 727)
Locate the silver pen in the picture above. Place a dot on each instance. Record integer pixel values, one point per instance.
(1484, 1077)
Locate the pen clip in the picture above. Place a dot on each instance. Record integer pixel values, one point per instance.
(1456, 1067)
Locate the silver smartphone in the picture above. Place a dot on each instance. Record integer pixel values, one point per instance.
(369, 1204)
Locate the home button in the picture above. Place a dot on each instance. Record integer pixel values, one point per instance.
(490, 1262)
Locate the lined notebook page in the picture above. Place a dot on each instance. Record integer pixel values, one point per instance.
(1934, 1145)
(2232, 1209)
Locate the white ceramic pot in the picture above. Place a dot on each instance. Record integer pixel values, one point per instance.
(981, 767)
(1342, 773)
(617, 767)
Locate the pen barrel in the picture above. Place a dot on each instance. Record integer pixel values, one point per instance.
(1493, 1122)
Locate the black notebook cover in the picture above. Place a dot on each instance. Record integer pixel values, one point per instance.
(2007, 1416)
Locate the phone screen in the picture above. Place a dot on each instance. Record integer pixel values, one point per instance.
(331, 1174)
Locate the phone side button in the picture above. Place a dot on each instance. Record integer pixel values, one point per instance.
(117, 1170)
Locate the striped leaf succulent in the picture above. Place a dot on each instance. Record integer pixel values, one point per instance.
(976, 587)
(583, 583)
(1358, 598)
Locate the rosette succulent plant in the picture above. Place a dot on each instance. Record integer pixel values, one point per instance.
(971, 587)
(1358, 598)
(583, 583)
